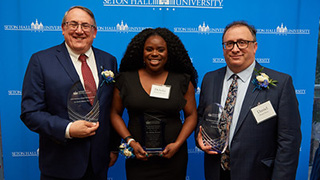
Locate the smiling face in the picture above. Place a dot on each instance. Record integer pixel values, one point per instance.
(236, 59)
(155, 54)
(78, 40)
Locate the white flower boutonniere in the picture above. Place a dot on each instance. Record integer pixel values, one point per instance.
(108, 77)
(262, 80)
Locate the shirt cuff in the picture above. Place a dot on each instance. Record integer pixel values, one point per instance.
(67, 134)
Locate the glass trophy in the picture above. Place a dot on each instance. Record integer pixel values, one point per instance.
(79, 107)
(153, 134)
(214, 131)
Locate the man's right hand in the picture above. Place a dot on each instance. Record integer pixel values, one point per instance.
(82, 129)
(205, 148)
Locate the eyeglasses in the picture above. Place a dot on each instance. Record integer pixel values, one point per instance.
(242, 44)
(84, 26)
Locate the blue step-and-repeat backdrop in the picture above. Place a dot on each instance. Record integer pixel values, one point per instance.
(287, 41)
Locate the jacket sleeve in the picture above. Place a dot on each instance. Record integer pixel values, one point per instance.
(34, 107)
(289, 134)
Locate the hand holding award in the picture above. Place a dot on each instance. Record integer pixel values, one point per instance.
(212, 129)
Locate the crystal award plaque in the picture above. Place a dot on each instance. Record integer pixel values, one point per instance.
(213, 131)
(79, 107)
(153, 134)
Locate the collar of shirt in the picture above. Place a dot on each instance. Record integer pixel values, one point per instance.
(75, 56)
(244, 75)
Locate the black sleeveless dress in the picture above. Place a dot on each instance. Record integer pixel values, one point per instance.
(138, 102)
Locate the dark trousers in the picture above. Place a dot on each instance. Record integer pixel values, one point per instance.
(89, 175)
(224, 174)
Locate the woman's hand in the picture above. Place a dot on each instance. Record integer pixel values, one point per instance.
(170, 150)
(138, 151)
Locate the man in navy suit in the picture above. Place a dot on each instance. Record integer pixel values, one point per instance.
(70, 149)
(261, 147)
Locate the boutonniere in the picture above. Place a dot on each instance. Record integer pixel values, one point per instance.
(126, 150)
(108, 76)
(262, 80)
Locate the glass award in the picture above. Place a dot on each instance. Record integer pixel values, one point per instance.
(214, 131)
(79, 107)
(153, 134)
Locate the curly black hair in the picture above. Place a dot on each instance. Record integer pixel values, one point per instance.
(178, 58)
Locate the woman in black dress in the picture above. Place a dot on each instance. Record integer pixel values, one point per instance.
(156, 82)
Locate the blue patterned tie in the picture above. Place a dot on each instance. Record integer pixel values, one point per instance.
(226, 119)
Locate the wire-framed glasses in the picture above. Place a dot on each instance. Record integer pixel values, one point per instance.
(84, 26)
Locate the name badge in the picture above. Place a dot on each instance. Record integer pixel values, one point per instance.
(263, 112)
(160, 91)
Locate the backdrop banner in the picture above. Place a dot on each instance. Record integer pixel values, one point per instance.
(287, 34)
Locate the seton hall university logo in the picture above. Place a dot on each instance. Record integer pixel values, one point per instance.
(209, 4)
(37, 26)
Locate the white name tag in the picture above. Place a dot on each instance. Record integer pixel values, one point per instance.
(160, 91)
(263, 112)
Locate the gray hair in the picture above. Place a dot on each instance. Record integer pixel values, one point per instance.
(84, 9)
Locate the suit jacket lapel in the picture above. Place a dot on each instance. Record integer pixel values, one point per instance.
(100, 67)
(219, 86)
(65, 60)
(248, 101)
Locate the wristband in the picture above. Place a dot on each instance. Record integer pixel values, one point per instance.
(130, 141)
(128, 137)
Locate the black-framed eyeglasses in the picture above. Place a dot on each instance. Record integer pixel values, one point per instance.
(84, 26)
(242, 44)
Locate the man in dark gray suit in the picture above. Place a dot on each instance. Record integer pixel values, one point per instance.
(263, 146)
